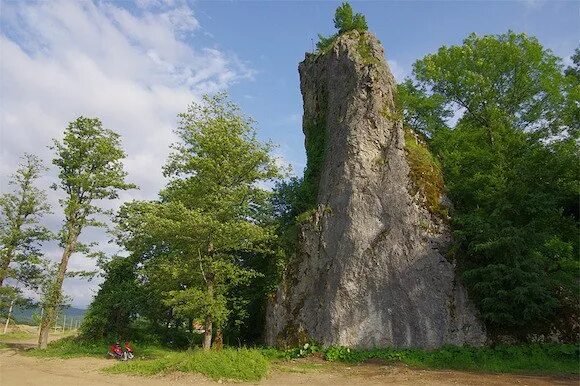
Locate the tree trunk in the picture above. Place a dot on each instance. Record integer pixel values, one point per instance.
(8, 318)
(54, 296)
(207, 333)
(218, 342)
(208, 319)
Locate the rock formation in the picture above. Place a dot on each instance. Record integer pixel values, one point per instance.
(371, 267)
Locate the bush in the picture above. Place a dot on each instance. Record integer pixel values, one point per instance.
(345, 20)
(303, 351)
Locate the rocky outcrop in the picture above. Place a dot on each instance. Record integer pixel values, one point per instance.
(371, 267)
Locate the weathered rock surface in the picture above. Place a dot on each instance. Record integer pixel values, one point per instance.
(371, 268)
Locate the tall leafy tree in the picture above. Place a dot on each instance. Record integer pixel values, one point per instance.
(208, 216)
(89, 159)
(21, 232)
(510, 167)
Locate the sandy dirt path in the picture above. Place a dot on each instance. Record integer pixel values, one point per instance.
(18, 369)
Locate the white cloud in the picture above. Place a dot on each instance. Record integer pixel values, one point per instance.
(398, 71)
(133, 69)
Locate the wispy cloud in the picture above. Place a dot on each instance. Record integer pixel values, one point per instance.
(398, 71)
(134, 67)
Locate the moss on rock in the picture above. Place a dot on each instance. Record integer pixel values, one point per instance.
(425, 172)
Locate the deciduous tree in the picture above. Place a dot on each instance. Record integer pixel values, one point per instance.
(21, 231)
(89, 159)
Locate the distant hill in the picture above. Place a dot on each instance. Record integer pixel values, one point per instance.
(24, 315)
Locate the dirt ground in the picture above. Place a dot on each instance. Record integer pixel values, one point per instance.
(18, 369)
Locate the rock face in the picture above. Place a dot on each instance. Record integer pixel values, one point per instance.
(370, 270)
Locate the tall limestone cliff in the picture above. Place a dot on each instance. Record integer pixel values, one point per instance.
(371, 267)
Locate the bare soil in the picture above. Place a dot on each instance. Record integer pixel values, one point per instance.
(18, 369)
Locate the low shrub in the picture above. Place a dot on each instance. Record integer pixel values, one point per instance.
(303, 351)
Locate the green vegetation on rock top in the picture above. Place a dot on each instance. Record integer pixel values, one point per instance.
(345, 20)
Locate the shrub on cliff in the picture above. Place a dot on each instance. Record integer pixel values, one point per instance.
(345, 20)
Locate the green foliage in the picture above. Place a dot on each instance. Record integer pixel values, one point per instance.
(21, 234)
(364, 49)
(345, 20)
(73, 347)
(424, 113)
(227, 364)
(514, 224)
(499, 80)
(533, 358)
(510, 166)
(209, 238)
(574, 69)
(90, 164)
(324, 43)
(425, 172)
(116, 304)
(303, 351)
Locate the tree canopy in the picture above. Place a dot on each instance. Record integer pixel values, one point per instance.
(195, 244)
(22, 233)
(510, 165)
(90, 164)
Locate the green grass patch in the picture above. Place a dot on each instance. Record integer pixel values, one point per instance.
(72, 347)
(533, 358)
(272, 353)
(231, 364)
(24, 335)
(12, 336)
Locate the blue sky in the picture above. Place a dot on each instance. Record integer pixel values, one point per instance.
(274, 35)
(137, 64)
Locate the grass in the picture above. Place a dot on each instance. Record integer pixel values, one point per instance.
(242, 364)
(72, 347)
(27, 335)
(253, 364)
(533, 358)
(17, 336)
(231, 364)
